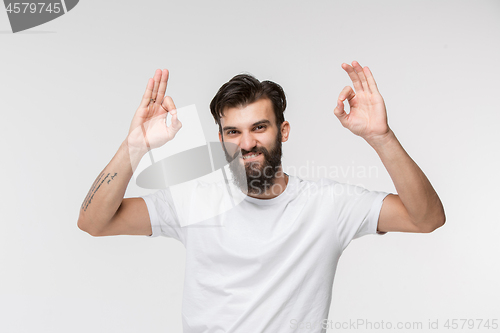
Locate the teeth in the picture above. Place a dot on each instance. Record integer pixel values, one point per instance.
(250, 156)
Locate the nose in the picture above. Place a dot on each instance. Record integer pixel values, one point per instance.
(247, 141)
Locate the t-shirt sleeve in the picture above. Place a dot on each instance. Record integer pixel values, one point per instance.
(357, 211)
(163, 216)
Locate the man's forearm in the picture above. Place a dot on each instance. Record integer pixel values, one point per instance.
(414, 189)
(107, 192)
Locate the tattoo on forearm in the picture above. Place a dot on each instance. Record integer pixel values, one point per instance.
(95, 187)
(112, 177)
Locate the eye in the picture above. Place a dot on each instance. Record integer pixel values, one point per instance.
(259, 127)
(231, 132)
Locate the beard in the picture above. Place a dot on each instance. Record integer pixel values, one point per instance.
(255, 176)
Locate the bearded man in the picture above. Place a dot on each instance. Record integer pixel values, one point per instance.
(270, 267)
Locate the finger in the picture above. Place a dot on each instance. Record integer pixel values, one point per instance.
(168, 104)
(163, 86)
(371, 80)
(147, 94)
(157, 79)
(347, 93)
(359, 70)
(354, 77)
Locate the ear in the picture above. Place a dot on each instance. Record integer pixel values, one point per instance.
(285, 131)
(220, 138)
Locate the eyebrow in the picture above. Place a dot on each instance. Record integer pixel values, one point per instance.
(260, 122)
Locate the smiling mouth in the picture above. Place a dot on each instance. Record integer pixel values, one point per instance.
(251, 156)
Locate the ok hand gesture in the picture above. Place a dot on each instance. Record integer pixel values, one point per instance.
(149, 129)
(367, 116)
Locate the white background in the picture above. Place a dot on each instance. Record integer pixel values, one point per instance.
(70, 87)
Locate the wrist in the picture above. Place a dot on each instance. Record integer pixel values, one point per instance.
(381, 140)
(134, 150)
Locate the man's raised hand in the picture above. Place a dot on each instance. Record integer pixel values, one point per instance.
(149, 129)
(367, 115)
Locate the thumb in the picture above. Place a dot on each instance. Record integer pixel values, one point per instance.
(340, 112)
(175, 122)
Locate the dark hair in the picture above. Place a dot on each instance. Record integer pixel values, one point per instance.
(244, 89)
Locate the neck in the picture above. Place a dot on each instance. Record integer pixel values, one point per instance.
(279, 185)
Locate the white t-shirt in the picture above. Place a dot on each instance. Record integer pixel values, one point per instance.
(264, 265)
